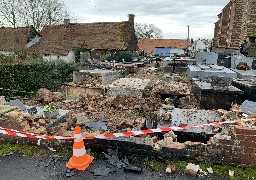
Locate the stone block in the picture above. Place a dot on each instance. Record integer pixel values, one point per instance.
(236, 59)
(207, 58)
(249, 107)
(190, 117)
(203, 72)
(210, 97)
(248, 87)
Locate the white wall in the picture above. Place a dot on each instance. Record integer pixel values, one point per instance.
(69, 58)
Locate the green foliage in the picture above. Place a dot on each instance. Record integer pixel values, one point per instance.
(35, 74)
(23, 149)
(51, 108)
(242, 66)
(252, 34)
(124, 55)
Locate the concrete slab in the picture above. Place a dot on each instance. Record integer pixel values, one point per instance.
(189, 117)
(128, 87)
(248, 86)
(105, 76)
(247, 75)
(236, 59)
(202, 72)
(249, 107)
(210, 97)
(207, 57)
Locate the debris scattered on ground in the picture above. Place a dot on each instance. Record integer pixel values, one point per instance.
(170, 169)
(192, 169)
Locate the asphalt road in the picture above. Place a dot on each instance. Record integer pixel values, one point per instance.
(37, 167)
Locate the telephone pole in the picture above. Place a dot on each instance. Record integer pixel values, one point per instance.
(188, 39)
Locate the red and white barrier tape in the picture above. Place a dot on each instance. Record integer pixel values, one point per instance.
(12, 132)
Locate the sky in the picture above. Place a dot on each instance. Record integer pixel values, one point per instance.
(171, 16)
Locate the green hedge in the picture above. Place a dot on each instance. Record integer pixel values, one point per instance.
(35, 75)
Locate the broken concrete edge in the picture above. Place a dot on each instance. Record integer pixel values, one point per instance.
(233, 149)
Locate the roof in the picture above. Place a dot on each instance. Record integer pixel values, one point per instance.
(149, 45)
(60, 39)
(12, 39)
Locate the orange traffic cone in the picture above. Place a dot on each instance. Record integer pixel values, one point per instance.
(80, 159)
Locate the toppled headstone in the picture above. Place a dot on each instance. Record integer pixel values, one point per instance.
(18, 103)
(249, 107)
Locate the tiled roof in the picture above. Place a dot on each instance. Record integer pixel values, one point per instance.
(12, 39)
(60, 39)
(149, 45)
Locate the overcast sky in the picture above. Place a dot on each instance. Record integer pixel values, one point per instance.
(171, 16)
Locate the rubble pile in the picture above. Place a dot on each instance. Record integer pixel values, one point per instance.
(93, 81)
(28, 123)
(118, 111)
(171, 87)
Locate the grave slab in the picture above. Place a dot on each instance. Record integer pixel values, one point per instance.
(128, 87)
(210, 97)
(247, 75)
(190, 117)
(202, 72)
(248, 86)
(207, 58)
(249, 107)
(106, 76)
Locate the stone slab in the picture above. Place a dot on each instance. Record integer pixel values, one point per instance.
(207, 57)
(106, 76)
(18, 104)
(128, 87)
(189, 117)
(248, 86)
(202, 72)
(249, 107)
(248, 74)
(236, 59)
(210, 97)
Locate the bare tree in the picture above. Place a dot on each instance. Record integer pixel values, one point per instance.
(9, 12)
(38, 13)
(147, 31)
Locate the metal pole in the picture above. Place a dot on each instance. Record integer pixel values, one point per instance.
(188, 40)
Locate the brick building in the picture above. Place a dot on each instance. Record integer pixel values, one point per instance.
(237, 19)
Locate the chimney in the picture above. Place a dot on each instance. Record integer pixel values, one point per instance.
(66, 21)
(131, 18)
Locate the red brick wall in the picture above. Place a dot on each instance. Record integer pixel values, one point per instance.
(236, 20)
(240, 149)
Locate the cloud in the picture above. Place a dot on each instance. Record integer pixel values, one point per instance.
(172, 16)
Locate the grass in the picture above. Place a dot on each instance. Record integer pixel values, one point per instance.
(218, 170)
(23, 149)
